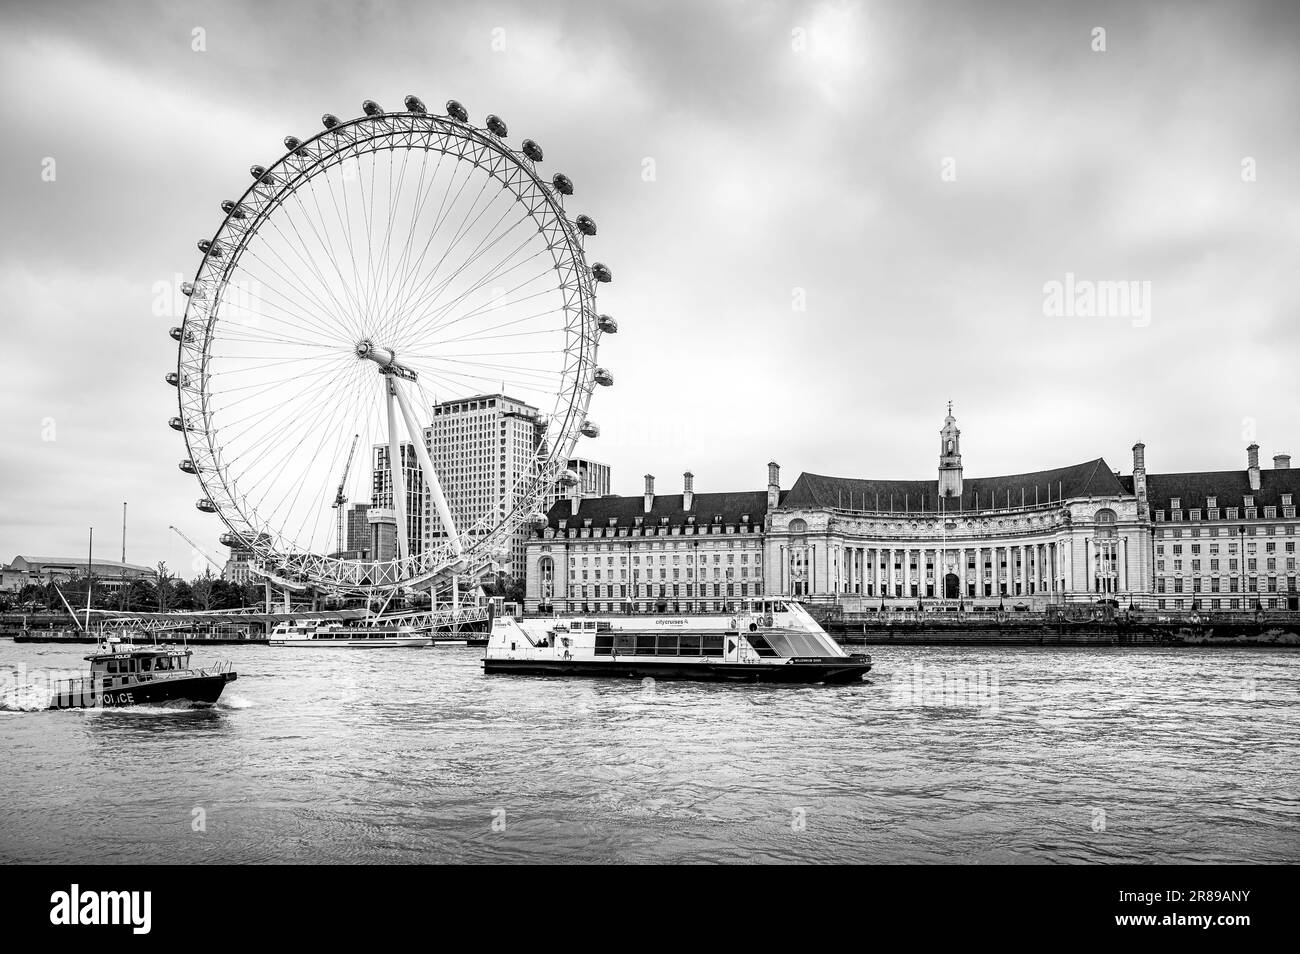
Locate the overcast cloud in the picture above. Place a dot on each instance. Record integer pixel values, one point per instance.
(798, 153)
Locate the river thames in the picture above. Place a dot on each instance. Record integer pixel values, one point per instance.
(949, 755)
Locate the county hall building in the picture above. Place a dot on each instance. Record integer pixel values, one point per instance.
(1085, 532)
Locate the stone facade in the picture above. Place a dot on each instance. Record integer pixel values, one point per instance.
(1022, 541)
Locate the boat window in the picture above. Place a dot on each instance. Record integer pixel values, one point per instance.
(712, 644)
(145, 664)
(603, 626)
(604, 645)
(761, 645)
(667, 645)
(624, 643)
(689, 646)
(645, 645)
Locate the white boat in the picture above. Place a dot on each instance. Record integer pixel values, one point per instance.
(332, 633)
(771, 640)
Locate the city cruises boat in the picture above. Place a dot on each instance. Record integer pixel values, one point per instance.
(121, 676)
(332, 633)
(768, 641)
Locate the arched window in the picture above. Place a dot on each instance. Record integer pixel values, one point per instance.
(798, 526)
(1105, 522)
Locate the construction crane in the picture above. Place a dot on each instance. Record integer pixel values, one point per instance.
(339, 498)
(198, 549)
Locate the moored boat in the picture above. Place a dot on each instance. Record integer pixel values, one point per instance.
(767, 641)
(122, 676)
(334, 634)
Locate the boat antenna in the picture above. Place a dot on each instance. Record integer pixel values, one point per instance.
(90, 580)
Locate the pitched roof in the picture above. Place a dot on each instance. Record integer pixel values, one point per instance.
(1229, 487)
(625, 511)
(1091, 478)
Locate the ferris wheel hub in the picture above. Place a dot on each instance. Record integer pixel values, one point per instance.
(386, 358)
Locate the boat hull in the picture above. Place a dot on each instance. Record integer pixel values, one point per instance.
(393, 643)
(831, 671)
(196, 689)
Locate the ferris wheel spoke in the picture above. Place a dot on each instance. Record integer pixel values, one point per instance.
(308, 321)
(398, 285)
(305, 323)
(504, 301)
(329, 314)
(432, 320)
(341, 312)
(277, 463)
(348, 288)
(479, 334)
(258, 390)
(426, 320)
(385, 264)
(432, 273)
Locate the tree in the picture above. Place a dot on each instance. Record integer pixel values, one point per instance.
(202, 591)
(165, 587)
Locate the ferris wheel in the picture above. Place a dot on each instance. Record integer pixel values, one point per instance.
(385, 265)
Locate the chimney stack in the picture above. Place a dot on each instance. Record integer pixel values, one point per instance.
(574, 500)
(1252, 465)
(649, 492)
(1140, 475)
(1281, 461)
(688, 490)
(773, 484)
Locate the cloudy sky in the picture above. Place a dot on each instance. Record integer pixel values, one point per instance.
(825, 221)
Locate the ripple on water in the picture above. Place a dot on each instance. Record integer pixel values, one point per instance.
(950, 755)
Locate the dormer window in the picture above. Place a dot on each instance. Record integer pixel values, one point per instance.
(1175, 503)
(586, 523)
(690, 521)
(744, 518)
(663, 521)
(1286, 500)
(1250, 502)
(613, 521)
(1211, 502)
(638, 521)
(564, 524)
(717, 518)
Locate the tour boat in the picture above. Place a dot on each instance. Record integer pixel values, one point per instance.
(767, 641)
(331, 633)
(140, 675)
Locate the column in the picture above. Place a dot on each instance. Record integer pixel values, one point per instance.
(1123, 564)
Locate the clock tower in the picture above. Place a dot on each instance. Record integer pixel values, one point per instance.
(950, 457)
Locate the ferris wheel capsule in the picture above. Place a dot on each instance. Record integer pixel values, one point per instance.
(532, 150)
(568, 479)
(176, 424)
(496, 126)
(586, 224)
(456, 111)
(294, 145)
(414, 105)
(329, 121)
(607, 324)
(176, 333)
(537, 520)
(187, 289)
(206, 505)
(232, 208)
(600, 271)
(603, 377)
(187, 465)
(590, 429)
(563, 184)
(371, 108)
(209, 247)
(173, 379)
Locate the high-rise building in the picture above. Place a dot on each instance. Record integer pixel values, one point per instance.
(383, 518)
(593, 481)
(481, 447)
(358, 537)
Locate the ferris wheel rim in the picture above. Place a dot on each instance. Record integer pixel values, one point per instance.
(515, 172)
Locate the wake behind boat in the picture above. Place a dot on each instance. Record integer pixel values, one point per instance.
(768, 641)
